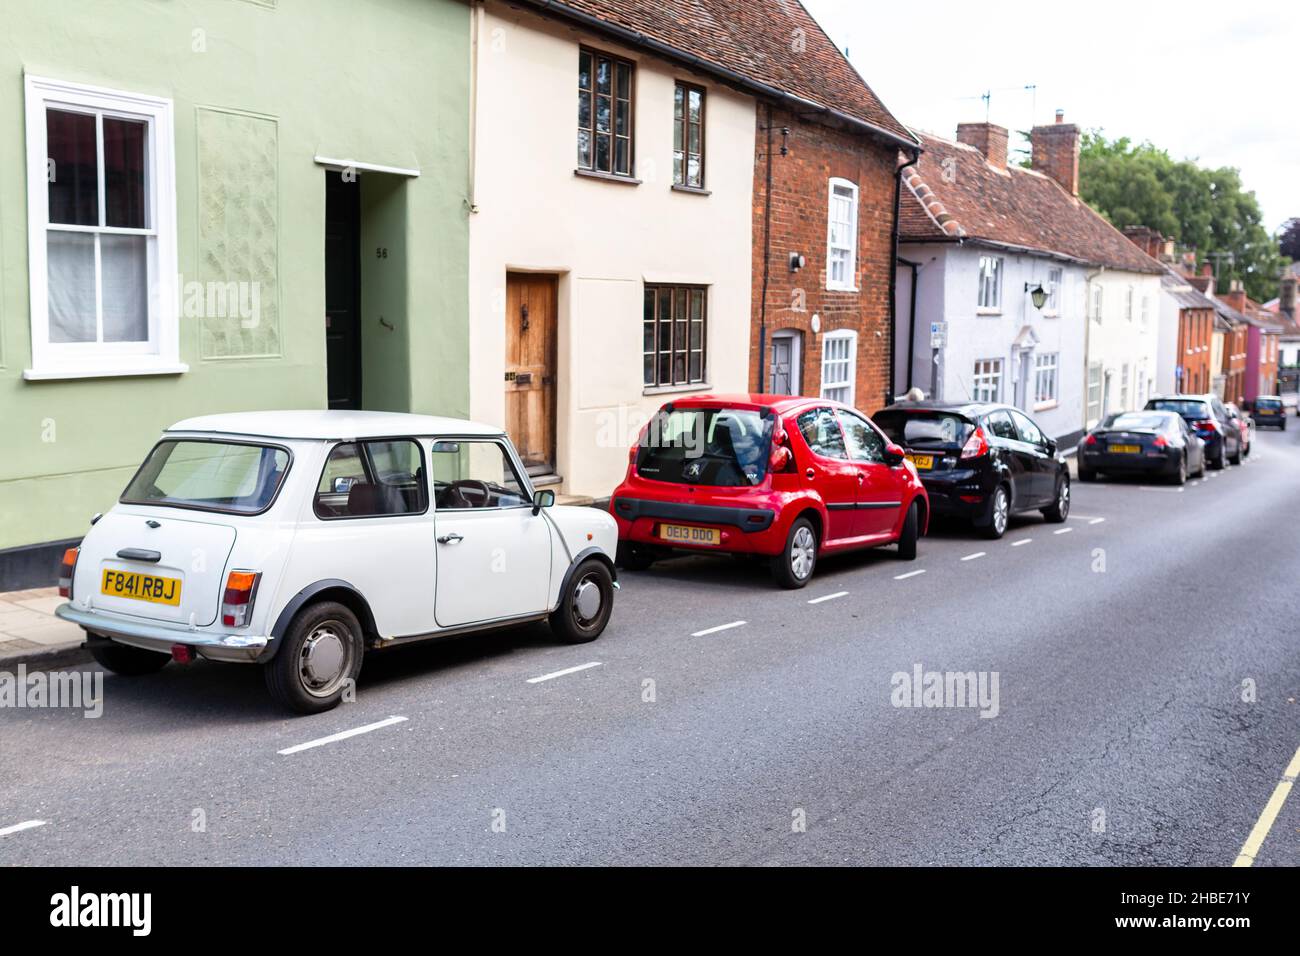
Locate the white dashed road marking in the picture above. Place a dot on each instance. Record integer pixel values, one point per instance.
(567, 670)
(19, 827)
(977, 554)
(1062, 531)
(720, 627)
(334, 738)
(909, 574)
(829, 597)
(1016, 544)
(1096, 521)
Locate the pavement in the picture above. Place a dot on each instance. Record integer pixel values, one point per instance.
(1146, 711)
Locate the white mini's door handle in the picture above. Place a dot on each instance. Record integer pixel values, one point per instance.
(451, 539)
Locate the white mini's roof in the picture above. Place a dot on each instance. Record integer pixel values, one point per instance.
(330, 424)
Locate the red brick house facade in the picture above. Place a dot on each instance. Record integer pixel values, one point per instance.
(803, 305)
(822, 315)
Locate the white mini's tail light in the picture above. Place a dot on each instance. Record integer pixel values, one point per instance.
(66, 571)
(241, 592)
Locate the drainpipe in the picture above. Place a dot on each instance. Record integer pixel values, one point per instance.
(893, 284)
(911, 318)
(1087, 345)
(767, 261)
(476, 13)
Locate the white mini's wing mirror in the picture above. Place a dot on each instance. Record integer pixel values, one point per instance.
(543, 499)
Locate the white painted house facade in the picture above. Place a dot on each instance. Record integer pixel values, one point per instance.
(1036, 300)
(999, 346)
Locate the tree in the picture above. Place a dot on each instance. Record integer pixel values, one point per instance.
(1206, 210)
(1288, 239)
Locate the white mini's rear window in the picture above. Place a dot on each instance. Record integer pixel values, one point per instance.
(209, 475)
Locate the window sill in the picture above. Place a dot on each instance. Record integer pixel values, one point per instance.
(107, 371)
(1046, 406)
(1051, 315)
(607, 177)
(854, 290)
(671, 389)
(983, 311)
(692, 190)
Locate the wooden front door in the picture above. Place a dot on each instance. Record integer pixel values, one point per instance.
(342, 291)
(531, 306)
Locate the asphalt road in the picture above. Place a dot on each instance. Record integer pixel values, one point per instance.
(1121, 734)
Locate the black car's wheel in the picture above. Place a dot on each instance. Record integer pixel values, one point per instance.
(1179, 477)
(1200, 467)
(994, 522)
(1219, 462)
(1060, 509)
(794, 566)
(586, 605)
(911, 532)
(1236, 459)
(127, 661)
(319, 656)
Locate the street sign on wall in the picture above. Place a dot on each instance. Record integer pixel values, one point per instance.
(938, 334)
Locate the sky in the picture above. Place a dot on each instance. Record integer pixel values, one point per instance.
(1212, 82)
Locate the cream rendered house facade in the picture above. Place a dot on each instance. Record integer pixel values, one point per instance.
(599, 285)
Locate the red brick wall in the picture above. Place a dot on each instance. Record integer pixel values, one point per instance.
(1194, 329)
(800, 204)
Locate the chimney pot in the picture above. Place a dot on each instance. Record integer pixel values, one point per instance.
(1060, 116)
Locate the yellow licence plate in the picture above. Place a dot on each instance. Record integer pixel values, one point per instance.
(924, 462)
(141, 587)
(1125, 449)
(684, 534)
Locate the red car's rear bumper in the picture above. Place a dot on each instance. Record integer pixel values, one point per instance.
(746, 528)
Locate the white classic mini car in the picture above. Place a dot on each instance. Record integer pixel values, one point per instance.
(300, 539)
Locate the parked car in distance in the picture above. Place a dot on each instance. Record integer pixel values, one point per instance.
(299, 540)
(1146, 443)
(1245, 425)
(1270, 411)
(981, 462)
(1209, 419)
(788, 479)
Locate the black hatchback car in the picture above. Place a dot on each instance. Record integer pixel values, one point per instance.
(1143, 443)
(1207, 416)
(981, 462)
(1270, 411)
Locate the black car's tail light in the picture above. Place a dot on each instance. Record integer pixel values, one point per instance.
(976, 445)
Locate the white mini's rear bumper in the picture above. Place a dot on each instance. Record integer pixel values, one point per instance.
(157, 637)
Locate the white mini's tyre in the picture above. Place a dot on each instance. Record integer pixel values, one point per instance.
(585, 605)
(319, 657)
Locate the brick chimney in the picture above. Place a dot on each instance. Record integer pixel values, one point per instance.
(1055, 151)
(1146, 239)
(989, 139)
(1236, 295)
(1286, 299)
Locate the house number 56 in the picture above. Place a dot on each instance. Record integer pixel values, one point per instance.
(381, 252)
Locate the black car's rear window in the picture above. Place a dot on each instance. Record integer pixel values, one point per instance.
(1268, 403)
(1192, 410)
(1140, 421)
(724, 447)
(924, 428)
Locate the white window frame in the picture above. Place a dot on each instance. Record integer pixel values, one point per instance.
(849, 282)
(1055, 286)
(161, 354)
(990, 305)
(850, 383)
(1129, 293)
(1047, 368)
(988, 372)
(1097, 308)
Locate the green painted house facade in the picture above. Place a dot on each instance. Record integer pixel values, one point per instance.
(223, 205)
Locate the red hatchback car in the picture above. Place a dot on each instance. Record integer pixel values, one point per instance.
(784, 478)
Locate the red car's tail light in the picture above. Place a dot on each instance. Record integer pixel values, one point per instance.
(1207, 425)
(781, 458)
(237, 603)
(1161, 441)
(66, 571)
(976, 445)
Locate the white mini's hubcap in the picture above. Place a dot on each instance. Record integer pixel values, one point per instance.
(324, 660)
(586, 600)
(803, 551)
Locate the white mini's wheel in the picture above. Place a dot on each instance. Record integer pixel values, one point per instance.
(320, 655)
(585, 605)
